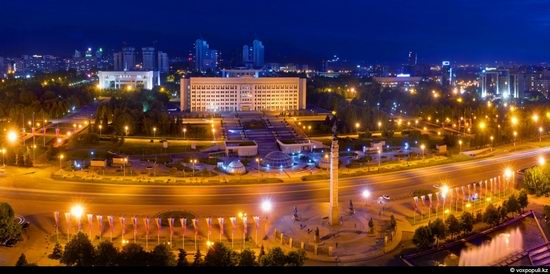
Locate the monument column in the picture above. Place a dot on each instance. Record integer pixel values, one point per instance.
(334, 213)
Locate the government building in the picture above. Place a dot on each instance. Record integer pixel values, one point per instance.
(128, 79)
(243, 93)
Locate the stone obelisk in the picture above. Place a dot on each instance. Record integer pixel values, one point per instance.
(334, 214)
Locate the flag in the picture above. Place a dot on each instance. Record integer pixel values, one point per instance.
(233, 221)
(437, 198)
(135, 222)
(209, 223)
(111, 223)
(256, 220)
(99, 219)
(147, 224)
(183, 222)
(430, 199)
(415, 198)
(56, 218)
(171, 224)
(158, 222)
(220, 222)
(123, 224)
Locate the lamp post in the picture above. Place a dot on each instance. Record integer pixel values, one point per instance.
(259, 170)
(541, 161)
(3, 156)
(541, 130)
(77, 211)
(515, 137)
(193, 161)
(422, 147)
(100, 127)
(184, 131)
(366, 195)
(379, 158)
(357, 129)
(154, 132)
(267, 206)
(492, 142)
(61, 156)
(460, 144)
(126, 130)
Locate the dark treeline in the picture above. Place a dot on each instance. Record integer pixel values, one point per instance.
(47, 96)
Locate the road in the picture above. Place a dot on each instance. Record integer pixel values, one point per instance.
(36, 185)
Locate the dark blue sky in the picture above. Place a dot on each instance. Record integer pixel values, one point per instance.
(293, 30)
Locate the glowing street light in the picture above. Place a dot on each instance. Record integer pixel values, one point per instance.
(515, 137)
(541, 161)
(266, 206)
(61, 156)
(154, 132)
(184, 131)
(100, 127)
(366, 195)
(508, 173)
(193, 161)
(379, 125)
(12, 136)
(77, 211)
(460, 144)
(541, 130)
(422, 147)
(535, 118)
(514, 120)
(357, 125)
(126, 128)
(492, 141)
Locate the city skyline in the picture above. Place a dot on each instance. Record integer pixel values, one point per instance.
(466, 31)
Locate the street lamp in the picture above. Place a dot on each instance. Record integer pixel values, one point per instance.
(193, 161)
(12, 136)
(214, 133)
(126, 130)
(366, 195)
(259, 170)
(184, 131)
(154, 132)
(422, 147)
(460, 144)
(77, 211)
(515, 136)
(100, 127)
(379, 125)
(61, 156)
(492, 141)
(357, 128)
(541, 161)
(541, 130)
(3, 156)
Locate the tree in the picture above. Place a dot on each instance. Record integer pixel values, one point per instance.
(296, 258)
(453, 225)
(247, 258)
(491, 215)
(393, 223)
(79, 251)
(197, 259)
(423, 237)
(106, 254)
(467, 222)
(523, 200)
(275, 257)
(182, 258)
(537, 180)
(162, 256)
(22, 261)
(133, 255)
(262, 250)
(57, 252)
(503, 212)
(513, 204)
(9, 229)
(438, 229)
(219, 255)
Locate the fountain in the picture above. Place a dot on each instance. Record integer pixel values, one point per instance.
(500, 247)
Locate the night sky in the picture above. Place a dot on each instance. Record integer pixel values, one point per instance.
(292, 30)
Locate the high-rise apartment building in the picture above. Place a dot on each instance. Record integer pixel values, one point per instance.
(129, 58)
(148, 58)
(205, 58)
(163, 63)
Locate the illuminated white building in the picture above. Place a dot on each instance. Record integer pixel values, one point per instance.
(243, 93)
(128, 79)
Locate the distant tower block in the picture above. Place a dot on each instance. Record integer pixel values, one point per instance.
(334, 213)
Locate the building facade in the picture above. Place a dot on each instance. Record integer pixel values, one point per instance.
(499, 82)
(242, 94)
(128, 79)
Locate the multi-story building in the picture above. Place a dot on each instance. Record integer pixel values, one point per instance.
(499, 82)
(242, 93)
(128, 80)
(163, 65)
(129, 58)
(205, 58)
(148, 58)
(258, 52)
